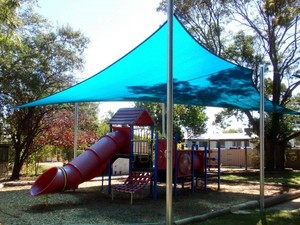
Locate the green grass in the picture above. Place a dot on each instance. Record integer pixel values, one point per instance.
(284, 178)
(281, 217)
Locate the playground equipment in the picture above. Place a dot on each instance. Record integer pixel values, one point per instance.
(85, 167)
(120, 142)
(190, 165)
(134, 182)
(131, 136)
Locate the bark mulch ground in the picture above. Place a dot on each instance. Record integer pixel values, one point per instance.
(89, 204)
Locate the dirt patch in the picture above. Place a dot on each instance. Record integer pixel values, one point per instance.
(92, 204)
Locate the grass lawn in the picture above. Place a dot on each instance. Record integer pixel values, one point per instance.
(282, 178)
(269, 217)
(282, 217)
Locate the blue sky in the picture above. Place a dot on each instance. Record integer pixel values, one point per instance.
(114, 27)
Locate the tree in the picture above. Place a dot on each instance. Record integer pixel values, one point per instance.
(8, 20)
(272, 39)
(205, 19)
(40, 65)
(8, 24)
(275, 24)
(191, 118)
(232, 131)
(60, 132)
(104, 126)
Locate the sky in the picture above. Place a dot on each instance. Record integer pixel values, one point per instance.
(114, 27)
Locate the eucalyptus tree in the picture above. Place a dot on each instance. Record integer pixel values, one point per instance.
(206, 20)
(43, 63)
(275, 25)
(254, 33)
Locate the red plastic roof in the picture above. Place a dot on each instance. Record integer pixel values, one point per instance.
(132, 116)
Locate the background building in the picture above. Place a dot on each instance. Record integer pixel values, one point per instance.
(237, 149)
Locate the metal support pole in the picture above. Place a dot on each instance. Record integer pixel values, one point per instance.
(261, 136)
(163, 110)
(205, 167)
(193, 166)
(109, 171)
(75, 129)
(175, 173)
(155, 167)
(131, 157)
(219, 166)
(246, 156)
(169, 200)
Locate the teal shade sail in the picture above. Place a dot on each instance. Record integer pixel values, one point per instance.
(200, 77)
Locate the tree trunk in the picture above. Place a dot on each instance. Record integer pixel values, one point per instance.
(16, 171)
(274, 155)
(17, 166)
(279, 149)
(269, 154)
(279, 158)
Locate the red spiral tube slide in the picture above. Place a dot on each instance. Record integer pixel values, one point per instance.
(86, 166)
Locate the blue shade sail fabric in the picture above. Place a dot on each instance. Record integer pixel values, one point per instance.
(199, 77)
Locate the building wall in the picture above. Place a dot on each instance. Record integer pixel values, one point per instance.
(120, 166)
(235, 157)
(229, 157)
(4, 149)
(226, 144)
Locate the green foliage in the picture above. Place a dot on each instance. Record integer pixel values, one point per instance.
(282, 12)
(41, 65)
(31, 166)
(297, 141)
(270, 217)
(231, 130)
(206, 20)
(191, 118)
(223, 118)
(244, 50)
(9, 22)
(282, 177)
(103, 128)
(259, 33)
(255, 157)
(60, 131)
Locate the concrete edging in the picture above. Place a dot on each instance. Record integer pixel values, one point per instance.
(247, 205)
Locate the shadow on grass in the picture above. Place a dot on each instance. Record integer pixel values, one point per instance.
(280, 217)
(284, 178)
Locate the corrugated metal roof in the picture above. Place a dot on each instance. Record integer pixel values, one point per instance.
(132, 116)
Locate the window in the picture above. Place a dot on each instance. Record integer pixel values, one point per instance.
(202, 144)
(222, 144)
(237, 144)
